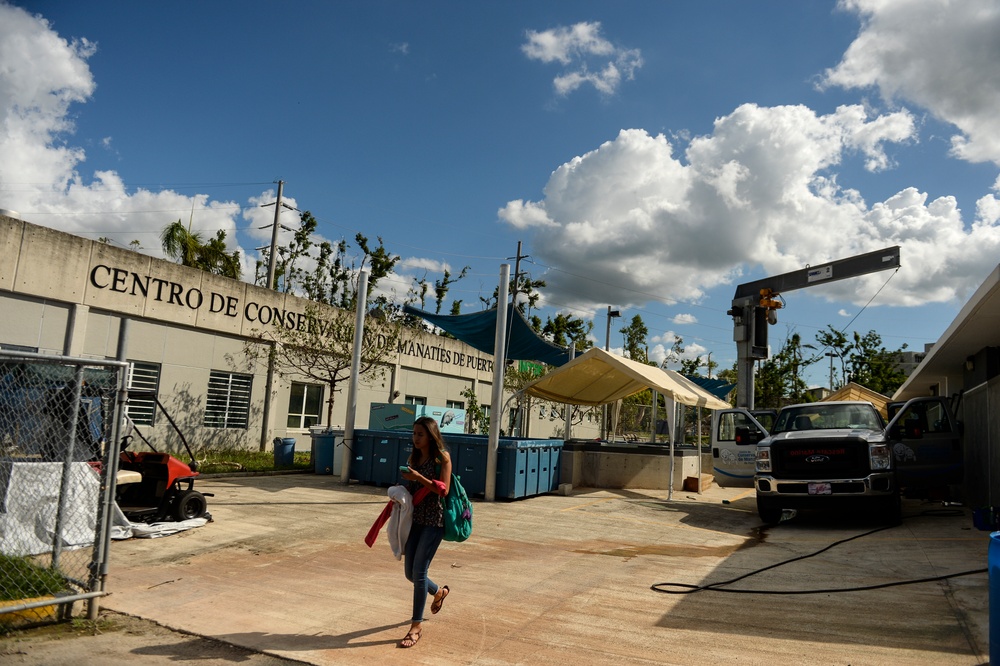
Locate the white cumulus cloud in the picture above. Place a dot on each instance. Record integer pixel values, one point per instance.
(940, 54)
(42, 75)
(589, 58)
(759, 191)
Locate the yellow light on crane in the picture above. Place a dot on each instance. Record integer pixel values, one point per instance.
(768, 299)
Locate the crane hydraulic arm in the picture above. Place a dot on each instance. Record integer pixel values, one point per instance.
(755, 305)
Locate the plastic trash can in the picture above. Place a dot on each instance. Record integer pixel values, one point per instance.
(284, 451)
(328, 452)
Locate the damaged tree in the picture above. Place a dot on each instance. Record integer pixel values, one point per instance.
(322, 350)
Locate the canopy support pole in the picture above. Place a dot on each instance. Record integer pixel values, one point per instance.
(568, 434)
(699, 450)
(670, 483)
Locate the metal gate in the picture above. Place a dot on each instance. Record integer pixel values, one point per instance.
(59, 421)
(981, 436)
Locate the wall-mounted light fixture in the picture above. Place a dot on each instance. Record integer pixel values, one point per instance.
(970, 363)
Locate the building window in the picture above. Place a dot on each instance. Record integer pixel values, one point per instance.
(415, 400)
(143, 377)
(304, 404)
(18, 348)
(228, 401)
(454, 404)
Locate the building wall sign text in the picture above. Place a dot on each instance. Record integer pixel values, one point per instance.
(121, 281)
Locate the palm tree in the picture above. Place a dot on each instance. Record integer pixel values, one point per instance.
(180, 244)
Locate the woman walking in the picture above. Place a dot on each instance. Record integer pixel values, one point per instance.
(430, 462)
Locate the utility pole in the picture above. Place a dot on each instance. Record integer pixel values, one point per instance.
(517, 272)
(271, 262)
(265, 430)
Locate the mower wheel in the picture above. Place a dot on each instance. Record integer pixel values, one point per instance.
(189, 504)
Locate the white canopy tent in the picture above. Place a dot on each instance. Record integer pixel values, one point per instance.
(598, 377)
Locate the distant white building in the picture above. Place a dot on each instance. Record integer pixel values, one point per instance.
(909, 360)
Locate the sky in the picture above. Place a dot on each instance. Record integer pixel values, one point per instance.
(648, 156)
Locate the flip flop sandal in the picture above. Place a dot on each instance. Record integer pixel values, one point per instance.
(412, 637)
(438, 603)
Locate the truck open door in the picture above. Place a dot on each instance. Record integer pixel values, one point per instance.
(926, 442)
(735, 433)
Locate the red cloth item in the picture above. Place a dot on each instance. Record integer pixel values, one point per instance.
(383, 517)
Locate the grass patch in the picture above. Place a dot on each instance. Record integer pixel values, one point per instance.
(239, 460)
(27, 580)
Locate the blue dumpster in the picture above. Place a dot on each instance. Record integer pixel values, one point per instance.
(362, 451)
(387, 456)
(284, 451)
(468, 461)
(527, 467)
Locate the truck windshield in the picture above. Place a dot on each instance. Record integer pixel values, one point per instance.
(820, 416)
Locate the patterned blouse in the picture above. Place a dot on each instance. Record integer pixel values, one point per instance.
(430, 511)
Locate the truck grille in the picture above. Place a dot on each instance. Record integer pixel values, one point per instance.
(818, 459)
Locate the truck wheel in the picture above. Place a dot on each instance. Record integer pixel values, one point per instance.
(892, 511)
(189, 504)
(768, 510)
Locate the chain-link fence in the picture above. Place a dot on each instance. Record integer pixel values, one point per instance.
(59, 421)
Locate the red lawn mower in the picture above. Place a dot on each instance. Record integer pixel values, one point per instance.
(154, 486)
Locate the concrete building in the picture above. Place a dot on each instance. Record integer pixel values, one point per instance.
(909, 360)
(964, 365)
(186, 336)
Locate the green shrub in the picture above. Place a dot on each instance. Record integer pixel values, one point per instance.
(27, 579)
(240, 460)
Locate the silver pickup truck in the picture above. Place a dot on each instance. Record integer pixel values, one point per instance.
(837, 455)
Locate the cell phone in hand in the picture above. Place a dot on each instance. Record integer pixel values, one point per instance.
(404, 468)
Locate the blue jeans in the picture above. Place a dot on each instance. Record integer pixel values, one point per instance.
(421, 546)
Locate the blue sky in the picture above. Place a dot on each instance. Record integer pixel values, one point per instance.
(649, 155)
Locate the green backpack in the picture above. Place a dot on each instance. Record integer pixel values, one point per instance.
(457, 512)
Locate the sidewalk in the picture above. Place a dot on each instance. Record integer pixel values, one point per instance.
(553, 579)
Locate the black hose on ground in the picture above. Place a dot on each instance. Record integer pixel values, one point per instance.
(720, 586)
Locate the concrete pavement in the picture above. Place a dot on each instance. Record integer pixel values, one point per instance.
(284, 570)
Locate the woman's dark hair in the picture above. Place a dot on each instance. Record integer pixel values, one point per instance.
(434, 431)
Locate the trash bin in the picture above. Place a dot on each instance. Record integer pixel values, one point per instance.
(284, 451)
(468, 461)
(387, 447)
(328, 452)
(527, 467)
(362, 451)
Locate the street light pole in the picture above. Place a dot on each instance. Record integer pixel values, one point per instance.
(832, 356)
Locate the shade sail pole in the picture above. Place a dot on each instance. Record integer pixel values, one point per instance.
(499, 365)
(352, 386)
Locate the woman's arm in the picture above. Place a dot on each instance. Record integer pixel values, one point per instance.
(441, 487)
(446, 474)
